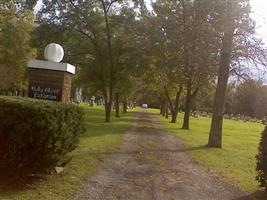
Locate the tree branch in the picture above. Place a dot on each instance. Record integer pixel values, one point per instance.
(110, 4)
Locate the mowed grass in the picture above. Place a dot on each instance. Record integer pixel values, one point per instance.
(235, 161)
(99, 141)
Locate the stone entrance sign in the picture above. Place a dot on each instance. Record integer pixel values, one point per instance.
(51, 80)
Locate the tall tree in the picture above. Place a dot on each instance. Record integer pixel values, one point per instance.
(16, 27)
(236, 31)
(166, 55)
(184, 54)
(198, 47)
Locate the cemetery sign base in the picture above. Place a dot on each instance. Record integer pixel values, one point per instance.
(50, 80)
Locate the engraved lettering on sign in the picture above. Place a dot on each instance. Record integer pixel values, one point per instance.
(46, 93)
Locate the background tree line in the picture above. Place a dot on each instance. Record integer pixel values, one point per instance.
(248, 98)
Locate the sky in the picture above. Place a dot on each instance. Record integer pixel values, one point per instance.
(259, 14)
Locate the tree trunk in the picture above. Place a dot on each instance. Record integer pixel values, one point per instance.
(164, 109)
(174, 118)
(161, 107)
(108, 106)
(117, 102)
(107, 111)
(174, 107)
(125, 106)
(215, 138)
(188, 103)
(187, 108)
(167, 111)
(186, 116)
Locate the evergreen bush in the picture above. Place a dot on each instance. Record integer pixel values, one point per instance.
(37, 135)
(262, 160)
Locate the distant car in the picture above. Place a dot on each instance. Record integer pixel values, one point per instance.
(145, 106)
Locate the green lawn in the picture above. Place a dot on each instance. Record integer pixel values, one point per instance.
(99, 141)
(235, 161)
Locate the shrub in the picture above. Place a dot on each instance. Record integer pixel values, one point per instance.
(262, 160)
(37, 135)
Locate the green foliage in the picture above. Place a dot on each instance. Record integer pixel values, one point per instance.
(40, 131)
(16, 27)
(262, 160)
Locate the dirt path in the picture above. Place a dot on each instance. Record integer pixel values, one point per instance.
(152, 164)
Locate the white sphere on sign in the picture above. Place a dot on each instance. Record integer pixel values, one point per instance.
(54, 52)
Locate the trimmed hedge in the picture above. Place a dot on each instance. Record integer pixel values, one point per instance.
(262, 160)
(36, 135)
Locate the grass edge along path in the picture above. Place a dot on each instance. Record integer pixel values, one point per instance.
(235, 162)
(99, 140)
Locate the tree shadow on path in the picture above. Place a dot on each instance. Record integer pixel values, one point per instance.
(150, 150)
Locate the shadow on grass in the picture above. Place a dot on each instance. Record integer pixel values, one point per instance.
(178, 150)
(96, 127)
(100, 120)
(13, 182)
(258, 195)
(99, 130)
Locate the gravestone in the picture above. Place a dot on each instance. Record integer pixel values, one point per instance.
(51, 80)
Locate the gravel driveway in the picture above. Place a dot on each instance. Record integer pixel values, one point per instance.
(152, 165)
